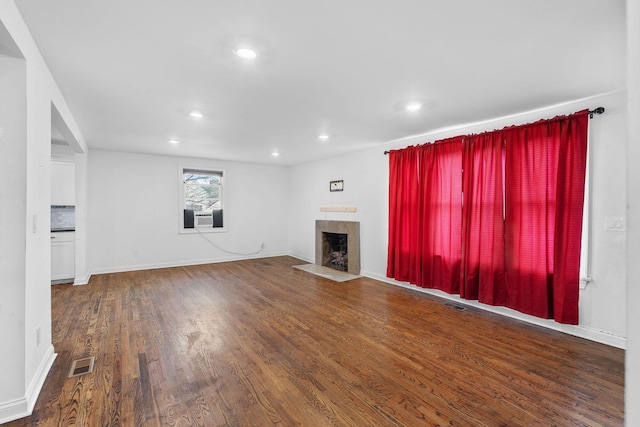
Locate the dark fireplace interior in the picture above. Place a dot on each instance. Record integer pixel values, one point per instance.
(334, 251)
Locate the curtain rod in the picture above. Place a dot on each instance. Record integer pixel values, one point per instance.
(598, 110)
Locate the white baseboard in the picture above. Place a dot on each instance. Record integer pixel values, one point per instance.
(311, 261)
(576, 330)
(82, 280)
(14, 409)
(22, 407)
(185, 263)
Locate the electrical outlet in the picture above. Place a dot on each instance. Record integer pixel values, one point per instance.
(38, 336)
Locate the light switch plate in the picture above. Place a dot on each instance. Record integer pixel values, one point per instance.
(615, 223)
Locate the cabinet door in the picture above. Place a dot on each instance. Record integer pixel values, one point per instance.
(63, 183)
(62, 260)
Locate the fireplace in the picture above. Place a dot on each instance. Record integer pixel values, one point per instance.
(335, 253)
(338, 245)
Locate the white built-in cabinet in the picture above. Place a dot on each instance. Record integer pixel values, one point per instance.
(63, 183)
(62, 257)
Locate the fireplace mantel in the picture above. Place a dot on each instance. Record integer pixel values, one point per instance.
(352, 230)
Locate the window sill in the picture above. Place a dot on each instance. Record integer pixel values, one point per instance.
(206, 230)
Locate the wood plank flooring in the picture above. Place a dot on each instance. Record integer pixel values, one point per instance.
(259, 343)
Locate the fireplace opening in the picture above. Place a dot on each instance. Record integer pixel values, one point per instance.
(334, 251)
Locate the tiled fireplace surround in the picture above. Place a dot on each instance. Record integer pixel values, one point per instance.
(352, 230)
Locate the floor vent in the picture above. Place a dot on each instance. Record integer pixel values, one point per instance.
(454, 306)
(81, 367)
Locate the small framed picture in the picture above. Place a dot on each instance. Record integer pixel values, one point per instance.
(336, 185)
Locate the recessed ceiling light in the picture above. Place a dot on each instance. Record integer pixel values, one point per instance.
(275, 154)
(196, 114)
(413, 107)
(174, 141)
(323, 137)
(245, 53)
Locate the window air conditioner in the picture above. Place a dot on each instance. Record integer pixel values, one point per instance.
(203, 219)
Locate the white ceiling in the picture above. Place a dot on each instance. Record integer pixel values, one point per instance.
(132, 70)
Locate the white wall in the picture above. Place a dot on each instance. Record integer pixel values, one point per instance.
(134, 212)
(75, 151)
(602, 302)
(30, 299)
(82, 274)
(13, 164)
(632, 380)
(365, 187)
(602, 312)
(257, 212)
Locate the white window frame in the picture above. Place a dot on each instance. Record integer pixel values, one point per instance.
(182, 199)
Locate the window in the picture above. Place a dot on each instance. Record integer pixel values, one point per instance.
(202, 199)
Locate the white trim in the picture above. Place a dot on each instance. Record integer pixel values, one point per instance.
(20, 408)
(185, 263)
(41, 374)
(577, 330)
(78, 281)
(13, 410)
(61, 158)
(201, 229)
(508, 120)
(585, 248)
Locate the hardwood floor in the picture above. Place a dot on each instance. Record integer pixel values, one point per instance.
(257, 343)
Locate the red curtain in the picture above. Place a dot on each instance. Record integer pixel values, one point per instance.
(441, 222)
(483, 275)
(544, 181)
(404, 214)
(516, 240)
(425, 211)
